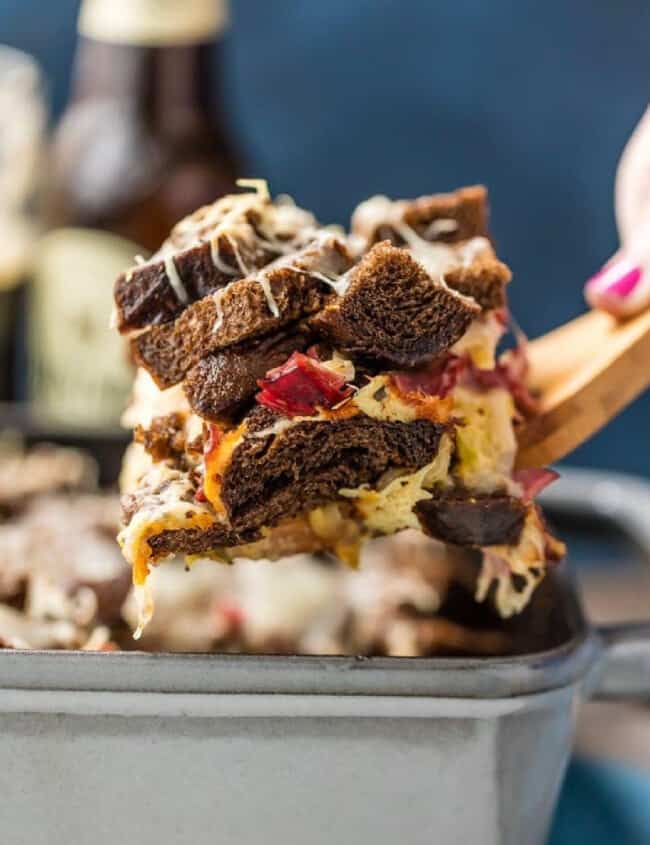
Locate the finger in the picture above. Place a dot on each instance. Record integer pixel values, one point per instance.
(621, 287)
(632, 186)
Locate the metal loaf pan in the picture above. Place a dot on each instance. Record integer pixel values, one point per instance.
(158, 749)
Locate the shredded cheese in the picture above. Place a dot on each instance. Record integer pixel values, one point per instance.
(175, 280)
(163, 506)
(485, 442)
(480, 341)
(215, 255)
(381, 400)
(260, 186)
(527, 559)
(437, 258)
(264, 283)
(390, 509)
(217, 299)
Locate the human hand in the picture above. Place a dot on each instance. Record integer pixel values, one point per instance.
(622, 286)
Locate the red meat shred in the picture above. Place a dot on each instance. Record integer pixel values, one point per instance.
(300, 386)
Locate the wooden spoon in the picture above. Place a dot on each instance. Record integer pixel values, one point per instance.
(587, 371)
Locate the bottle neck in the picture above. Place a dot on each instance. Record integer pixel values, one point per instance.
(163, 84)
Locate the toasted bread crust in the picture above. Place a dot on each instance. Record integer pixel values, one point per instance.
(485, 280)
(275, 476)
(240, 312)
(145, 296)
(466, 520)
(394, 311)
(466, 207)
(194, 541)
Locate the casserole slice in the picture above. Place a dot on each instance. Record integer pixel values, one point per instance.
(349, 389)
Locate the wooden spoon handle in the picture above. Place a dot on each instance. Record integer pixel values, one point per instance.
(587, 371)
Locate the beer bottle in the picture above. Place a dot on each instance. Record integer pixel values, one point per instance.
(23, 118)
(141, 143)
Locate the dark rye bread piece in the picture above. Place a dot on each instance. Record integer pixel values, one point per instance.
(194, 541)
(484, 279)
(241, 311)
(164, 439)
(466, 520)
(467, 207)
(145, 296)
(394, 311)
(223, 383)
(277, 475)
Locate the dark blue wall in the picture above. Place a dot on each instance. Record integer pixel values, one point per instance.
(334, 101)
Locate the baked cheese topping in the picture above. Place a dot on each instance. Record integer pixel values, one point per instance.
(485, 442)
(390, 509)
(216, 464)
(527, 560)
(165, 502)
(149, 401)
(338, 282)
(380, 400)
(279, 227)
(480, 341)
(435, 256)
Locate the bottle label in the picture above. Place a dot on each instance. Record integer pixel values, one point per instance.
(152, 23)
(80, 373)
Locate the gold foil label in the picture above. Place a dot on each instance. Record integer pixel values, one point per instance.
(152, 23)
(79, 369)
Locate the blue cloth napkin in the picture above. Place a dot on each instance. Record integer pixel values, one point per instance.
(603, 804)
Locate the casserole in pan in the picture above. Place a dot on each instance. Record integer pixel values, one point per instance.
(183, 748)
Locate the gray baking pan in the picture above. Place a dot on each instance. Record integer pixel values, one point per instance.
(157, 749)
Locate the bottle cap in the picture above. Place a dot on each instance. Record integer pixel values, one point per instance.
(152, 23)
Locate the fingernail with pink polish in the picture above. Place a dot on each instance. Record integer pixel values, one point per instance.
(611, 289)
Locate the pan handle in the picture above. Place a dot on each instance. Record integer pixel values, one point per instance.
(623, 670)
(618, 498)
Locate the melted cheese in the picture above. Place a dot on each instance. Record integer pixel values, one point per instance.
(480, 341)
(436, 257)
(175, 280)
(527, 559)
(260, 186)
(136, 463)
(149, 401)
(485, 443)
(217, 299)
(263, 280)
(340, 534)
(280, 425)
(243, 269)
(390, 509)
(163, 506)
(215, 255)
(216, 464)
(338, 283)
(473, 249)
(279, 227)
(381, 400)
(342, 366)
(441, 226)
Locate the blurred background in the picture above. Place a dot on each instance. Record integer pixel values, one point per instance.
(332, 102)
(106, 142)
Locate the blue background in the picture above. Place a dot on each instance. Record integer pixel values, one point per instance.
(335, 101)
